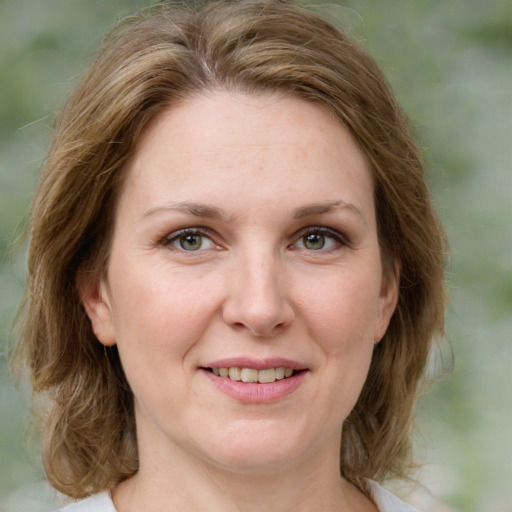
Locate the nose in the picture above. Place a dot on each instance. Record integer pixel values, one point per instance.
(259, 297)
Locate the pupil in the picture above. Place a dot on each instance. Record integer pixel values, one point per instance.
(191, 242)
(314, 241)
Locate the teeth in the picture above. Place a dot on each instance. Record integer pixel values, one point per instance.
(235, 374)
(268, 375)
(249, 375)
(265, 376)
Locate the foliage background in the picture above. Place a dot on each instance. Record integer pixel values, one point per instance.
(450, 64)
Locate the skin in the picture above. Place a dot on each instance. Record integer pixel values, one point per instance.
(290, 267)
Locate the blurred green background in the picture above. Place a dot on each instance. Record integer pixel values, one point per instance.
(450, 63)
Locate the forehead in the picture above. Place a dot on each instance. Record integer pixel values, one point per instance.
(261, 145)
(264, 114)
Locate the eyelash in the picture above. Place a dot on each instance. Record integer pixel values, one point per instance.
(181, 234)
(338, 238)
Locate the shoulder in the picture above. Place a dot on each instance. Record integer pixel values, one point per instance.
(98, 503)
(386, 501)
(102, 502)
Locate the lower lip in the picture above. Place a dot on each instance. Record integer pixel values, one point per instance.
(254, 393)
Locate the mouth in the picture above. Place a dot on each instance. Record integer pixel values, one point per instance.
(256, 381)
(253, 375)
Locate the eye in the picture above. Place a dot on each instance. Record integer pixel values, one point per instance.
(189, 240)
(319, 239)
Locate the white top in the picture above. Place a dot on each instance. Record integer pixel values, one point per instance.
(385, 501)
(98, 503)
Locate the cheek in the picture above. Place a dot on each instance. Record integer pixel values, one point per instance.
(153, 305)
(341, 321)
(343, 312)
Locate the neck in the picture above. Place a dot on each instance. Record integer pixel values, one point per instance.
(188, 484)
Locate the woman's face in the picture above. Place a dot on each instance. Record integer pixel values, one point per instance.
(245, 248)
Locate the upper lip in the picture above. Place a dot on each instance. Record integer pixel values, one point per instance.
(257, 364)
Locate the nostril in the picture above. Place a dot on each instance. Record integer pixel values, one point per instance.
(258, 304)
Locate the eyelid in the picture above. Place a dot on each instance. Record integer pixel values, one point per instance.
(202, 231)
(340, 238)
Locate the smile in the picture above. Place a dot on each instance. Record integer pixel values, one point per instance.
(252, 375)
(253, 381)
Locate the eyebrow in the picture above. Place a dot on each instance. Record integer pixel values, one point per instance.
(190, 208)
(213, 212)
(321, 208)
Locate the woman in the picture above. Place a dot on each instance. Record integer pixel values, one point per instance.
(235, 271)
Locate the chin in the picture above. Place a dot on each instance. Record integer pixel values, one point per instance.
(249, 462)
(258, 450)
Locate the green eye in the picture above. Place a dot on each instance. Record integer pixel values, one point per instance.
(314, 241)
(190, 242)
(319, 239)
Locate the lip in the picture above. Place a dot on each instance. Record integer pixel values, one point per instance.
(255, 393)
(257, 364)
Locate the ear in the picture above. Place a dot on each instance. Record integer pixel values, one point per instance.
(388, 300)
(97, 304)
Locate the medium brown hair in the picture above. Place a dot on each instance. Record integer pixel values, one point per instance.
(148, 63)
